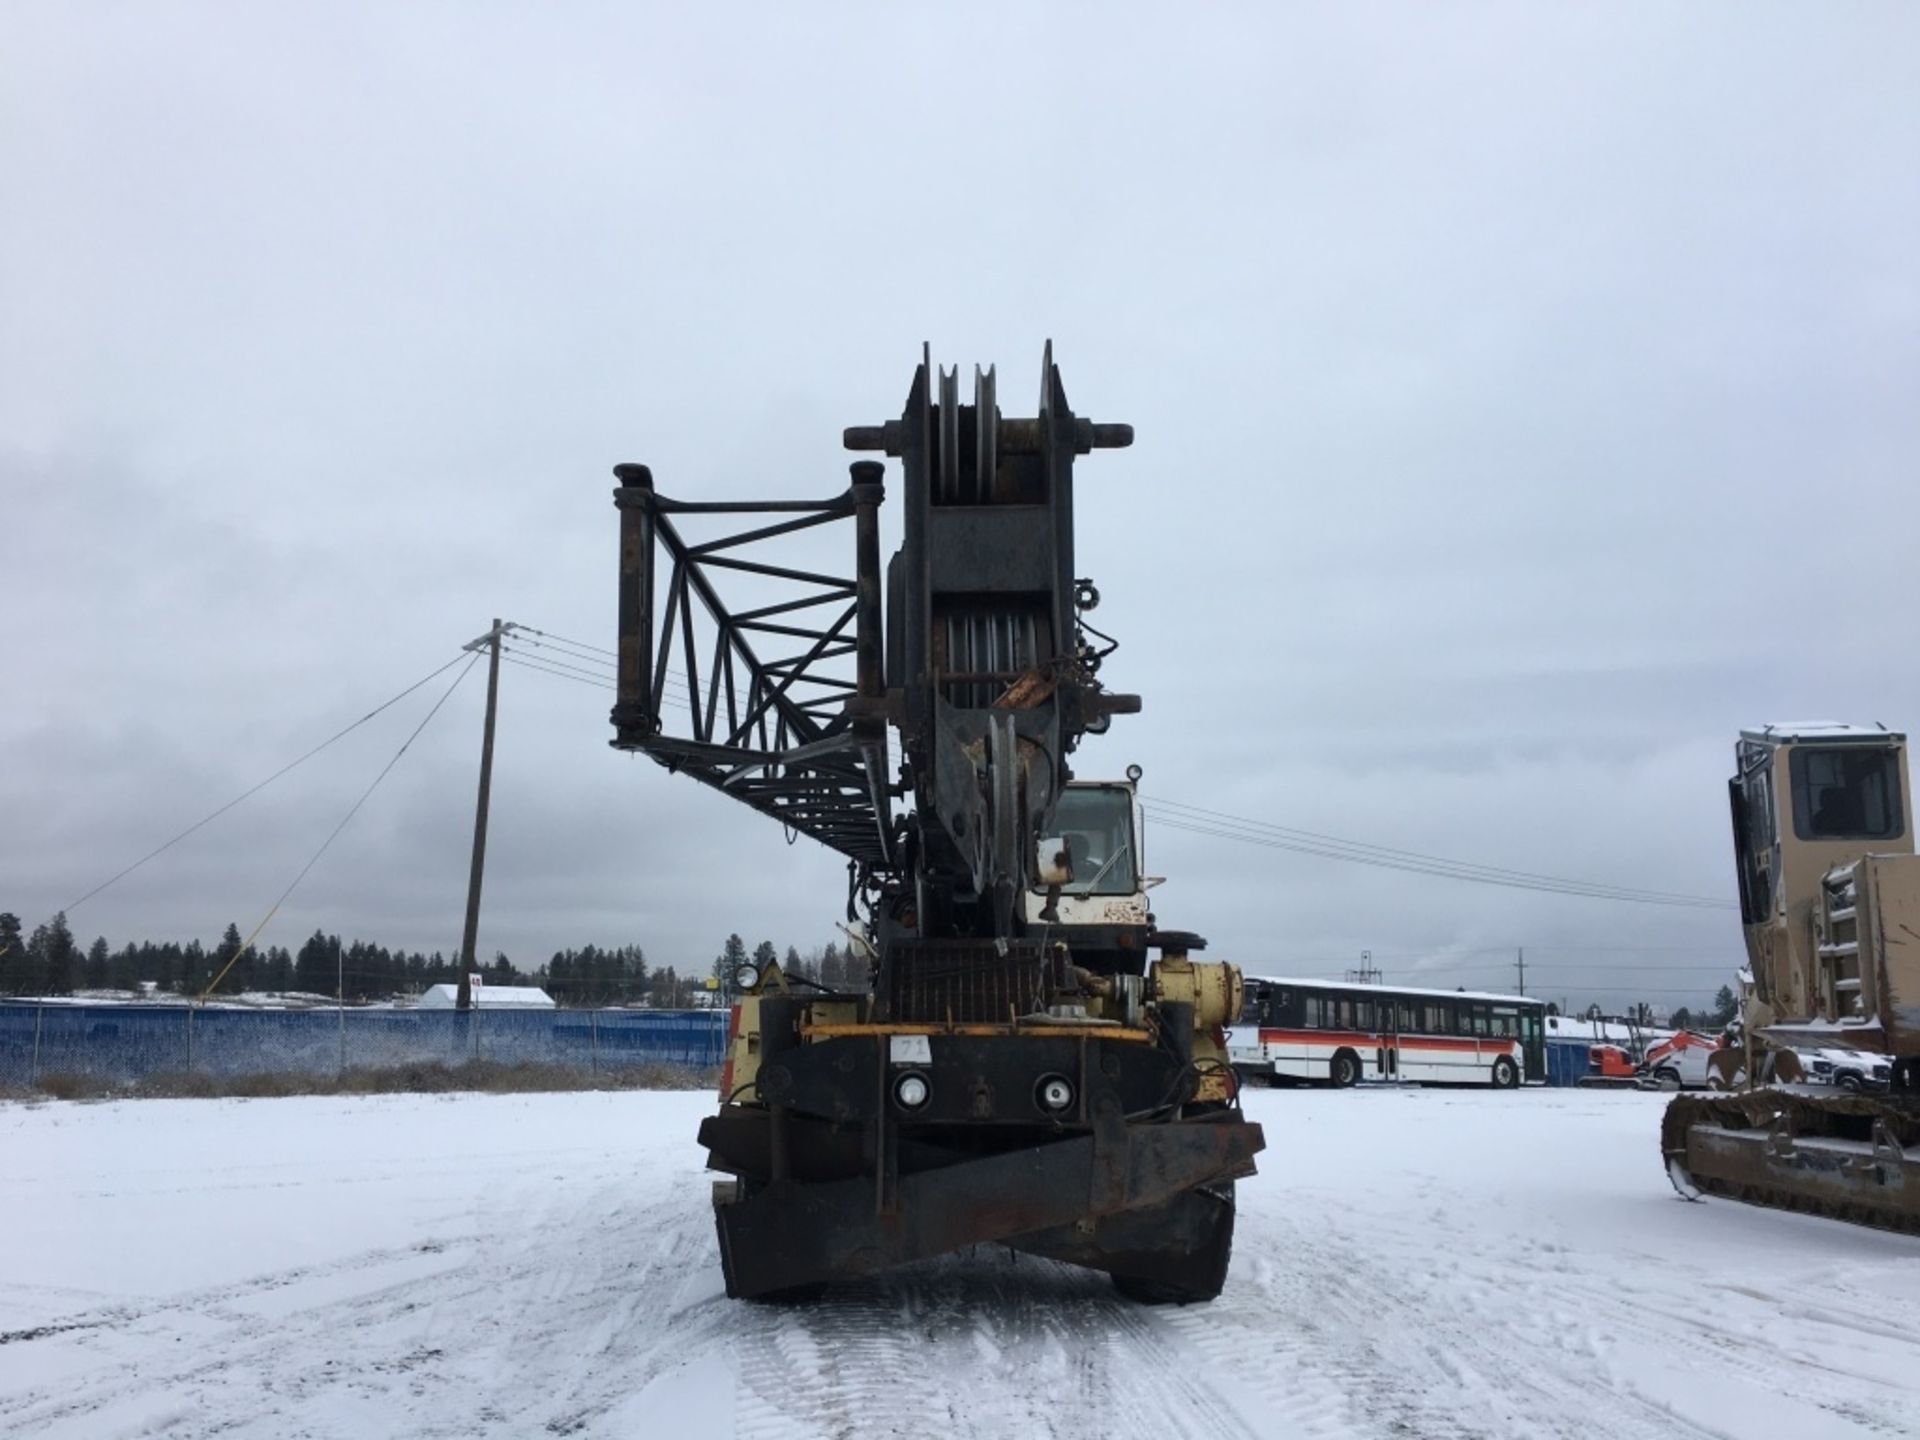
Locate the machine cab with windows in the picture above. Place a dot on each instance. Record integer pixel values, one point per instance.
(1822, 840)
(1093, 883)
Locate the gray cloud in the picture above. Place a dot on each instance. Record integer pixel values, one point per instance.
(1524, 401)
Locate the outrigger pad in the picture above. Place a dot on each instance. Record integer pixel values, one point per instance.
(790, 1234)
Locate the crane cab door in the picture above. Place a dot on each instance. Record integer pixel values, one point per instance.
(1756, 837)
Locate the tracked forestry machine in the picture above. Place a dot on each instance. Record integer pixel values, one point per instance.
(1033, 1063)
(1830, 900)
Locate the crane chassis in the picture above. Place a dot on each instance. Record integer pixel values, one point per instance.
(1033, 1062)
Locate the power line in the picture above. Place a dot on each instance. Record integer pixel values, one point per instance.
(385, 770)
(1593, 893)
(1553, 949)
(152, 854)
(584, 677)
(558, 667)
(563, 640)
(558, 656)
(571, 659)
(1478, 968)
(561, 652)
(577, 679)
(1424, 980)
(1386, 858)
(1201, 815)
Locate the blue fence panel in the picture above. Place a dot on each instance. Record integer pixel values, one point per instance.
(676, 1037)
(248, 1042)
(128, 1042)
(1567, 1061)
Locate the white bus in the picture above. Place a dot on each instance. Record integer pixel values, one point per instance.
(1339, 1034)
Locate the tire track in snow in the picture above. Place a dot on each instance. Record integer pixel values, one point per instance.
(584, 1300)
(983, 1343)
(1394, 1342)
(493, 1344)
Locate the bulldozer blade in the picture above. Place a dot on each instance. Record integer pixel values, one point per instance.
(786, 1235)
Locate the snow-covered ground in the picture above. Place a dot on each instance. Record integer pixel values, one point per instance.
(1409, 1264)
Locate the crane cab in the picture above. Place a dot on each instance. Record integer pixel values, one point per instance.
(1823, 840)
(1099, 903)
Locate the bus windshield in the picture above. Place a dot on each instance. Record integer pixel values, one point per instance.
(1096, 821)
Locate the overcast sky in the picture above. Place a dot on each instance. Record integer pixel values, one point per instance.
(1525, 399)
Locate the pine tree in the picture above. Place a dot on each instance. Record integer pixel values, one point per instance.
(313, 966)
(96, 967)
(13, 956)
(193, 974)
(225, 958)
(560, 977)
(54, 954)
(123, 971)
(730, 959)
(163, 962)
(636, 974)
(763, 955)
(1725, 1006)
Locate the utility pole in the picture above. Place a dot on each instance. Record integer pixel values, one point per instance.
(463, 998)
(1520, 959)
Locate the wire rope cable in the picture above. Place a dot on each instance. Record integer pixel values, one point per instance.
(256, 789)
(1199, 818)
(1585, 890)
(571, 659)
(365, 795)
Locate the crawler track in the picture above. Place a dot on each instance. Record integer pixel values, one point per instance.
(1886, 1188)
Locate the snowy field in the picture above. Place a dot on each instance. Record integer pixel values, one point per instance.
(1409, 1264)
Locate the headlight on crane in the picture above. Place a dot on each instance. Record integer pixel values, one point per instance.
(911, 1090)
(1055, 1093)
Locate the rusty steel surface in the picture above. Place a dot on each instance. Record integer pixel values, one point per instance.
(785, 1235)
(964, 982)
(1100, 1030)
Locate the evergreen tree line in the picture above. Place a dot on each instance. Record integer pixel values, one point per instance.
(50, 962)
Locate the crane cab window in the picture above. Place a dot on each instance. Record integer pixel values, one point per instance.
(1096, 821)
(1849, 792)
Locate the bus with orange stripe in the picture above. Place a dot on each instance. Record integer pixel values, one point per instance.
(1333, 1033)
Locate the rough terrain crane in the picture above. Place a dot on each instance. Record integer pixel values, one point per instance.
(1033, 1063)
(1830, 901)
